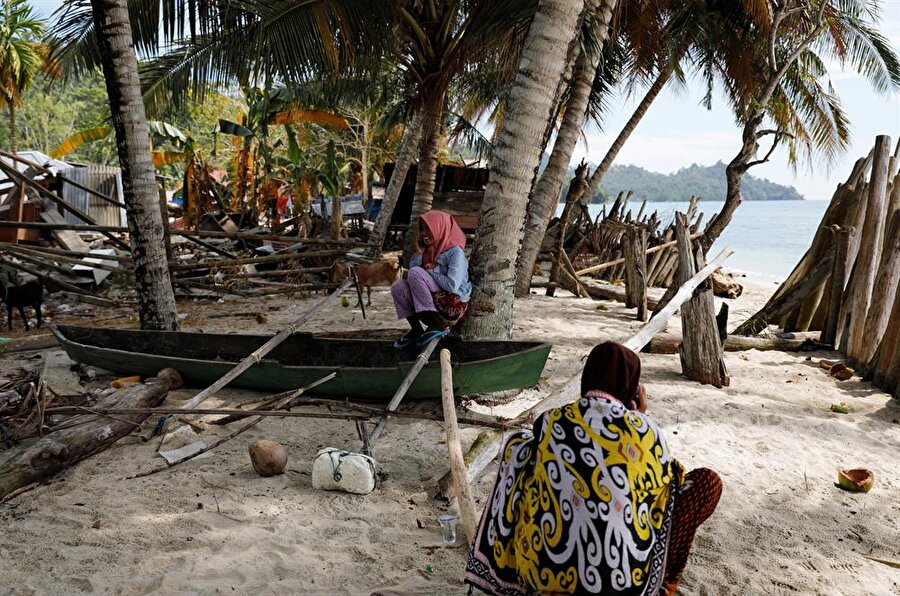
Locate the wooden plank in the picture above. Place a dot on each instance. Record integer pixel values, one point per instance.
(68, 239)
(467, 511)
(635, 243)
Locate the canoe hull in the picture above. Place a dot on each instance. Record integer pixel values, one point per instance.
(514, 370)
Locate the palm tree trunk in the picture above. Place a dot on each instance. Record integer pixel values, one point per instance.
(337, 217)
(545, 195)
(514, 166)
(408, 147)
(13, 139)
(432, 114)
(597, 177)
(156, 300)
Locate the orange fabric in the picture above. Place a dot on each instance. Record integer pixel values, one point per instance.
(445, 232)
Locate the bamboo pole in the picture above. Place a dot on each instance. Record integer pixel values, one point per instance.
(69, 253)
(465, 501)
(239, 431)
(421, 361)
(18, 249)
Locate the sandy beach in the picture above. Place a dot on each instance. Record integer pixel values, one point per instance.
(214, 526)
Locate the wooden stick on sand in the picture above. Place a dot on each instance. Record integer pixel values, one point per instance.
(466, 503)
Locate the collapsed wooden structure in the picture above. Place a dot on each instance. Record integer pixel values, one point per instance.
(846, 285)
(44, 235)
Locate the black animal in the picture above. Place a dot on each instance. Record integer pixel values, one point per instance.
(30, 293)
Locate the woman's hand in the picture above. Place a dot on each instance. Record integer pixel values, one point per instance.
(641, 404)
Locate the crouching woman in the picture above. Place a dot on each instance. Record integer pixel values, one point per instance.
(436, 291)
(593, 501)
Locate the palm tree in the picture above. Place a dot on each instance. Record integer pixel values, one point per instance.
(515, 160)
(440, 42)
(22, 56)
(787, 94)
(151, 270)
(545, 193)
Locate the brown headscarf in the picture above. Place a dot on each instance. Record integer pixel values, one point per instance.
(614, 369)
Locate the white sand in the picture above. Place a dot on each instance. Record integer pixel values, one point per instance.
(214, 526)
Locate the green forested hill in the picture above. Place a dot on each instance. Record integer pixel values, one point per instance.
(708, 182)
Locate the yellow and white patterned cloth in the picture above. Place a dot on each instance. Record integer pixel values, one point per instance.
(582, 507)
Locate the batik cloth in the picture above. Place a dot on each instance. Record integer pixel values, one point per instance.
(583, 506)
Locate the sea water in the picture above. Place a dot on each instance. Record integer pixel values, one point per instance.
(768, 237)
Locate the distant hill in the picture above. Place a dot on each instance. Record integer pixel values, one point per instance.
(708, 182)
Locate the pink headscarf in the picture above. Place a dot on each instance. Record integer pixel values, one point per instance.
(445, 232)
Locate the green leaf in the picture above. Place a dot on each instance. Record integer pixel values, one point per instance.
(233, 128)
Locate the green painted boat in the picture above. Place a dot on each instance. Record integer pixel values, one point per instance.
(368, 369)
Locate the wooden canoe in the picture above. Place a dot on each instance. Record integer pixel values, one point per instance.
(369, 369)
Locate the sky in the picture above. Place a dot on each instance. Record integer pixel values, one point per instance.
(677, 131)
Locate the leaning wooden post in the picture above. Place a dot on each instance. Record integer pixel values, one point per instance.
(635, 245)
(872, 238)
(884, 367)
(467, 511)
(886, 282)
(701, 352)
(421, 361)
(837, 283)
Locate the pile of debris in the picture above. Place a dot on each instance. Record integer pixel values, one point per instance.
(90, 258)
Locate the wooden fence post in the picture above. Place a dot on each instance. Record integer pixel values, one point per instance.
(836, 285)
(636, 270)
(701, 351)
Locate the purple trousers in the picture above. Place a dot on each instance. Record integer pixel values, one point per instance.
(413, 294)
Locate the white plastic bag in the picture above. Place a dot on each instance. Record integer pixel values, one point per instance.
(339, 469)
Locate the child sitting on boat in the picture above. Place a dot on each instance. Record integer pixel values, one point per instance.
(436, 290)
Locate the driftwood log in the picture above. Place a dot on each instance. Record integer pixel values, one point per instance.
(37, 459)
(671, 344)
(883, 292)
(701, 352)
(836, 284)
